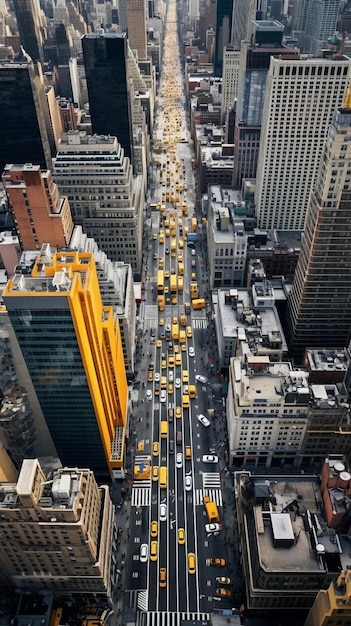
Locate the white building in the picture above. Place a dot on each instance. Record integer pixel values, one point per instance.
(301, 97)
(104, 196)
(316, 22)
(230, 79)
(267, 406)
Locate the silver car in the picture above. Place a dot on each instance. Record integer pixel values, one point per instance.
(203, 420)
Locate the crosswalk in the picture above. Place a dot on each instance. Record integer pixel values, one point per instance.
(141, 496)
(152, 321)
(214, 494)
(165, 618)
(211, 480)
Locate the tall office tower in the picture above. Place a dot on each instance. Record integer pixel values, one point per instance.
(254, 64)
(32, 27)
(109, 205)
(136, 21)
(223, 32)
(122, 15)
(58, 532)
(105, 59)
(319, 304)
(301, 97)
(39, 212)
(231, 64)
(316, 21)
(72, 347)
(244, 13)
(24, 115)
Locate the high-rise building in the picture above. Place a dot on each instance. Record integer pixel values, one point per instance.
(231, 63)
(301, 97)
(332, 606)
(244, 13)
(105, 59)
(32, 27)
(58, 532)
(72, 348)
(319, 304)
(39, 212)
(24, 115)
(255, 57)
(223, 32)
(136, 20)
(316, 22)
(109, 205)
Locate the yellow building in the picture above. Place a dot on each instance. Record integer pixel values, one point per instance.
(332, 606)
(72, 347)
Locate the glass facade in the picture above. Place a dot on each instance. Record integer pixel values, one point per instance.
(105, 59)
(50, 348)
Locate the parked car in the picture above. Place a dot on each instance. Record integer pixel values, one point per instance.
(191, 351)
(144, 552)
(213, 528)
(204, 421)
(201, 379)
(223, 580)
(217, 562)
(210, 458)
(149, 394)
(223, 593)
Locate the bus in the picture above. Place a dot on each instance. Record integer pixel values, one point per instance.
(180, 284)
(164, 430)
(211, 510)
(160, 281)
(163, 477)
(173, 283)
(175, 332)
(198, 303)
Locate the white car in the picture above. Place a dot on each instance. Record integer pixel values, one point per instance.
(170, 376)
(191, 352)
(163, 396)
(203, 420)
(179, 459)
(201, 379)
(177, 383)
(149, 394)
(210, 458)
(163, 512)
(213, 528)
(144, 552)
(188, 483)
(157, 377)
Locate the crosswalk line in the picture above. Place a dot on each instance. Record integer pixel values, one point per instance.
(163, 618)
(211, 480)
(141, 496)
(214, 494)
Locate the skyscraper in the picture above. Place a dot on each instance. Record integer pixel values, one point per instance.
(301, 97)
(109, 205)
(105, 59)
(136, 20)
(39, 212)
(24, 115)
(319, 304)
(223, 32)
(72, 348)
(316, 22)
(254, 64)
(31, 26)
(231, 63)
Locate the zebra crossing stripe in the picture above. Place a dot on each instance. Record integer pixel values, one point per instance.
(162, 618)
(214, 494)
(141, 496)
(143, 601)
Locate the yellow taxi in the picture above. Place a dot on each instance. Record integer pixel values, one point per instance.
(155, 473)
(154, 529)
(155, 448)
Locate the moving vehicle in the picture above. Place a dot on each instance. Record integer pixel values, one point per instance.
(163, 512)
(179, 437)
(161, 302)
(153, 551)
(201, 379)
(192, 391)
(185, 376)
(181, 536)
(179, 460)
(217, 562)
(211, 510)
(223, 580)
(203, 420)
(177, 383)
(163, 577)
(163, 477)
(209, 458)
(223, 593)
(189, 331)
(171, 446)
(213, 528)
(154, 528)
(188, 452)
(198, 303)
(191, 351)
(160, 282)
(155, 448)
(144, 552)
(164, 429)
(149, 394)
(163, 396)
(185, 401)
(191, 563)
(188, 482)
(155, 472)
(178, 412)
